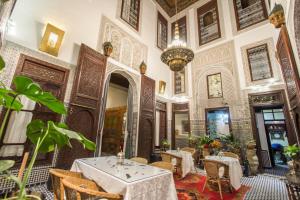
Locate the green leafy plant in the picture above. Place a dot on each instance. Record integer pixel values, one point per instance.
(45, 136)
(204, 141)
(165, 144)
(292, 151)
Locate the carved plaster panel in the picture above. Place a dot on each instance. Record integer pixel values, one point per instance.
(126, 49)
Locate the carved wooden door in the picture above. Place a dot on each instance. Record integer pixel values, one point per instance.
(113, 135)
(84, 108)
(291, 76)
(147, 117)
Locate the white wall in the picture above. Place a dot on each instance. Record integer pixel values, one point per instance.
(116, 96)
(81, 21)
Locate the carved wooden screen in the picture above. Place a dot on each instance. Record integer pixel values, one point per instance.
(162, 32)
(208, 22)
(84, 108)
(161, 107)
(290, 73)
(179, 82)
(130, 12)
(182, 29)
(249, 12)
(51, 78)
(147, 117)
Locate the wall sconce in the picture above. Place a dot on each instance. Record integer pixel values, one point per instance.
(52, 40)
(162, 87)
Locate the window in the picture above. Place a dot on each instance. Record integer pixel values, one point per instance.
(179, 82)
(182, 29)
(162, 32)
(130, 12)
(249, 12)
(208, 23)
(273, 114)
(259, 62)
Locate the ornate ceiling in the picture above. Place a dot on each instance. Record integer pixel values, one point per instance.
(169, 5)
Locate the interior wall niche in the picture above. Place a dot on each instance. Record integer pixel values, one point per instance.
(208, 23)
(249, 12)
(126, 49)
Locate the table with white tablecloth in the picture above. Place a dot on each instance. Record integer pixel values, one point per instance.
(235, 169)
(187, 164)
(132, 180)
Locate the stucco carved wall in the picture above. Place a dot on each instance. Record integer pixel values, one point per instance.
(220, 59)
(127, 50)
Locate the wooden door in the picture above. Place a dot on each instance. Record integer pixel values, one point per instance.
(84, 108)
(51, 78)
(161, 108)
(291, 76)
(147, 117)
(113, 134)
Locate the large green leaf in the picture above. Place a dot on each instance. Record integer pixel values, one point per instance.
(33, 91)
(2, 63)
(7, 100)
(57, 134)
(6, 164)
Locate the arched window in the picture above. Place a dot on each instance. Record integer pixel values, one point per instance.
(208, 19)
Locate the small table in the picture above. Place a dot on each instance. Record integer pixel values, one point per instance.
(187, 164)
(235, 169)
(132, 180)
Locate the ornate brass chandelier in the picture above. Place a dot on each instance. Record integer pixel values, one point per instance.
(177, 55)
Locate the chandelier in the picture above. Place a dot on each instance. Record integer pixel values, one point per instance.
(177, 55)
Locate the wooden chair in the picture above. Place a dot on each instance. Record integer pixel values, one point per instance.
(140, 160)
(216, 173)
(163, 165)
(229, 154)
(83, 189)
(56, 176)
(166, 157)
(189, 149)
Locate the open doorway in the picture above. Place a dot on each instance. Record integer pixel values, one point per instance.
(115, 117)
(180, 126)
(272, 130)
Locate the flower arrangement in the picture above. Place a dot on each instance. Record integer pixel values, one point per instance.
(204, 142)
(216, 144)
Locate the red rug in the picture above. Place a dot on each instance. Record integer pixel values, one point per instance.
(190, 188)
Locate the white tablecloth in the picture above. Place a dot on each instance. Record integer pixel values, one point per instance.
(187, 161)
(235, 169)
(132, 180)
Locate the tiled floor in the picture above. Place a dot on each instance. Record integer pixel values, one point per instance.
(263, 187)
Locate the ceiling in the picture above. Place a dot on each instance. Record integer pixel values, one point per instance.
(169, 5)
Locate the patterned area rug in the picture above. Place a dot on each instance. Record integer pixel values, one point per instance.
(190, 188)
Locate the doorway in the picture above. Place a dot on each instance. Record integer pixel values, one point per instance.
(180, 126)
(160, 123)
(272, 130)
(116, 115)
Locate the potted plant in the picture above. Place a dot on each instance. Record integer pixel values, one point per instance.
(216, 146)
(45, 136)
(165, 144)
(204, 145)
(293, 152)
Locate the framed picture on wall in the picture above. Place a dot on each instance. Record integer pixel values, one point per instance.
(249, 12)
(179, 82)
(259, 62)
(208, 22)
(214, 86)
